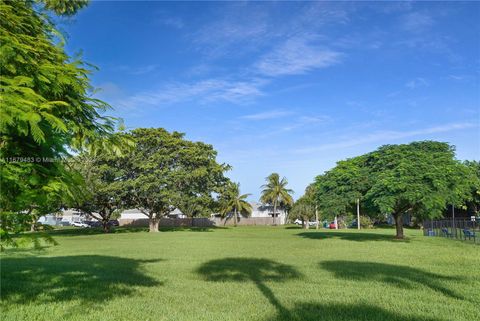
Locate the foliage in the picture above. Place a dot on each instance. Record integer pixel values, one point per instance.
(365, 222)
(420, 177)
(473, 204)
(165, 171)
(103, 192)
(276, 193)
(233, 203)
(46, 111)
(338, 189)
(303, 209)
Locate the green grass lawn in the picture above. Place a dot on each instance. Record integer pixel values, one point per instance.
(244, 273)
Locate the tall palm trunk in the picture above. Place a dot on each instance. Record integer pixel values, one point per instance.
(235, 216)
(274, 211)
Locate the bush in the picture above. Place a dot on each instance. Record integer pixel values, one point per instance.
(366, 222)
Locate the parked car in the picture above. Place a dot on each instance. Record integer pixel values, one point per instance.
(113, 223)
(93, 223)
(80, 224)
(332, 226)
(63, 223)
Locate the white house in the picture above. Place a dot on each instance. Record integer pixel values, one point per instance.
(262, 210)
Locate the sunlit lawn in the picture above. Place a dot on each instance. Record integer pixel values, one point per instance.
(244, 273)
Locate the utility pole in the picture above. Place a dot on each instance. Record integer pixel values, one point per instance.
(358, 213)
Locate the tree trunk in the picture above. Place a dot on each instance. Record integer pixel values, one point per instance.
(235, 217)
(316, 217)
(153, 224)
(307, 223)
(274, 211)
(106, 227)
(399, 225)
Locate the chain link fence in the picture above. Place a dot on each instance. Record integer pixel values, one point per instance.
(460, 229)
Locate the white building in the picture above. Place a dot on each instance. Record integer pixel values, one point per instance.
(262, 210)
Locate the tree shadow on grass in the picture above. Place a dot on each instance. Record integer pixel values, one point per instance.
(344, 312)
(350, 236)
(253, 270)
(191, 229)
(93, 231)
(397, 275)
(91, 279)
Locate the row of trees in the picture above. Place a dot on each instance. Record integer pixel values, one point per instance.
(155, 171)
(48, 114)
(420, 178)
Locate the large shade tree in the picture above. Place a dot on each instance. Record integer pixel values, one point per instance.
(233, 203)
(275, 192)
(420, 178)
(102, 192)
(47, 110)
(163, 169)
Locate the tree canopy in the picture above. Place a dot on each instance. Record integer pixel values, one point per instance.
(275, 193)
(47, 109)
(420, 177)
(233, 203)
(164, 170)
(102, 192)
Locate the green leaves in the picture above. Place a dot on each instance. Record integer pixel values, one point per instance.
(420, 177)
(276, 191)
(164, 171)
(231, 201)
(45, 109)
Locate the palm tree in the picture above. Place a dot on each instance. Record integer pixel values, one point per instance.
(232, 201)
(275, 192)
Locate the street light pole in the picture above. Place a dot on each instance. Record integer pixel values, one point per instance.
(358, 213)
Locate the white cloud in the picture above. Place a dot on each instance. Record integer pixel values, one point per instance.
(417, 82)
(204, 91)
(416, 21)
(238, 29)
(386, 136)
(267, 115)
(173, 22)
(138, 70)
(296, 56)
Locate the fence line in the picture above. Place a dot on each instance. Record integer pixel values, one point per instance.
(246, 221)
(170, 222)
(200, 221)
(460, 229)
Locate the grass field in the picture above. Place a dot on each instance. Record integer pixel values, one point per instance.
(244, 273)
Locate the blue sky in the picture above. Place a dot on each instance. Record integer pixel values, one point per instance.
(290, 87)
